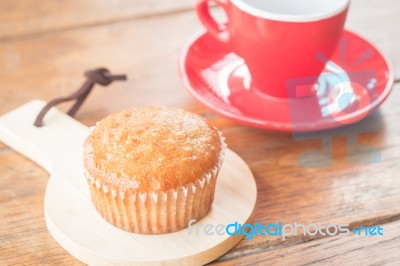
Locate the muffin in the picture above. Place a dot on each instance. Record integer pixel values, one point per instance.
(151, 170)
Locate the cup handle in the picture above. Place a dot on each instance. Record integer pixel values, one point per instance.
(217, 30)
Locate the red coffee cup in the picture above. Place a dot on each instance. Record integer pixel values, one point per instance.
(278, 39)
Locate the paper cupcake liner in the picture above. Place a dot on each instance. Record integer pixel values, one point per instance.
(156, 212)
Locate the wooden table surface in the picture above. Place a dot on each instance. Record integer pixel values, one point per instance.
(44, 48)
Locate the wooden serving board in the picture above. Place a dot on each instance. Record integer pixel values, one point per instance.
(77, 227)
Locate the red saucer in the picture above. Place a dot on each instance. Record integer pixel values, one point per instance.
(356, 80)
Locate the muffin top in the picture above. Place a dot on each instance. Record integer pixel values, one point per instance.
(151, 148)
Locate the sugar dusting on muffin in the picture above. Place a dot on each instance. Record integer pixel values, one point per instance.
(151, 148)
(164, 158)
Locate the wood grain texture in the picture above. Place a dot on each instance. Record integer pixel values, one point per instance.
(335, 250)
(137, 48)
(31, 17)
(49, 65)
(24, 238)
(378, 22)
(345, 193)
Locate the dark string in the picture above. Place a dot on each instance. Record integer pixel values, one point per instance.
(97, 76)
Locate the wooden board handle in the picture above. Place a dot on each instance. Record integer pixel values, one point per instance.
(52, 146)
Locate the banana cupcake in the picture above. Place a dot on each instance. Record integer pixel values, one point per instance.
(151, 170)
